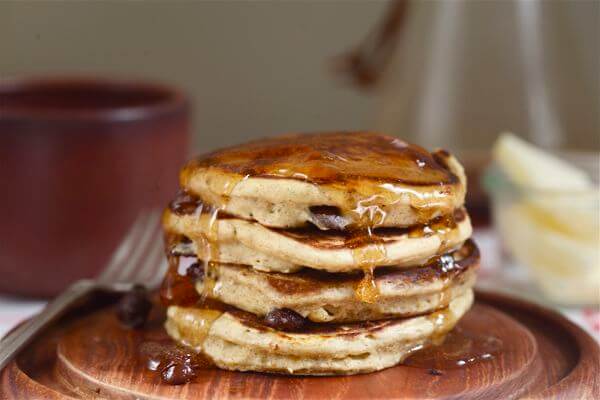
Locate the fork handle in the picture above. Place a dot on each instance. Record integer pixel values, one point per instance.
(12, 343)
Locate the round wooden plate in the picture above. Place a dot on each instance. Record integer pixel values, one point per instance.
(537, 354)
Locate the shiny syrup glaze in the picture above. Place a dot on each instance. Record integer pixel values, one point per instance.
(330, 158)
(448, 349)
(368, 249)
(176, 290)
(369, 171)
(374, 168)
(177, 364)
(376, 171)
(456, 349)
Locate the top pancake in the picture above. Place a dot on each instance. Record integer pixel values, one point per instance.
(333, 180)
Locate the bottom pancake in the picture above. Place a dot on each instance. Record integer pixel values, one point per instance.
(237, 340)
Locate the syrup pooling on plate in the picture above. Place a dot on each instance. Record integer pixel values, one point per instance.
(175, 364)
(180, 363)
(458, 349)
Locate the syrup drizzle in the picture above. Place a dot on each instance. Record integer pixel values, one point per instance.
(358, 164)
(373, 171)
(368, 250)
(457, 349)
(178, 365)
(177, 288)
(442, 226)
(193, 324)
(363, 166)
(205, 239)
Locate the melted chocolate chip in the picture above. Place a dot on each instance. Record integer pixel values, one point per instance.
(434, 372)
(328, 217)
(178, 374)
(134, 307)
(195, 271)
(175, 364)
(284, 319)
(185, 203)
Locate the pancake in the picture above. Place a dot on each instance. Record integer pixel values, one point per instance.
(332, 180)
(326, 297)
(240, 341)
(237, 241)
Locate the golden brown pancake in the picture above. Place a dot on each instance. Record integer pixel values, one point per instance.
(327, 253)
(333, 180)
(240, 341)
(238, 241)
(325, 297)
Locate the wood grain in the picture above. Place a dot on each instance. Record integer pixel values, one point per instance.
(542, 356)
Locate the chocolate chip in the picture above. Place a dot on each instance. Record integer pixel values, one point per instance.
(195, 271)
(328, 217)
(178, 373)
(175, 364)
(435, 372)
(134, 307)
(185, 203)
(284, 319)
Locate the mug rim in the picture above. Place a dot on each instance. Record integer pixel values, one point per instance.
(170, 99)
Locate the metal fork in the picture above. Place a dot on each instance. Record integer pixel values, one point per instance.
(139, 259)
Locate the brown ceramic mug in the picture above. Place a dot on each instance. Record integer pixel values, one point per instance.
(79, 159)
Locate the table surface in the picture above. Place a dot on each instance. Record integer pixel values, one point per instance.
(493, 276)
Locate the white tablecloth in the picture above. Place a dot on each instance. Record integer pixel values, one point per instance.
(492, 276)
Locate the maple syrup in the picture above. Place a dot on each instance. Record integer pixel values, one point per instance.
(441, 226)
(457, 349)
(330, 157)
(375, 171)
(180, 363)
(194, 323)
(175, 364)
(368, 252)
(365, 167)
(177, 288)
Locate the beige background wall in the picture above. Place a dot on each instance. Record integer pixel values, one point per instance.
(253, 67)
(260, 67)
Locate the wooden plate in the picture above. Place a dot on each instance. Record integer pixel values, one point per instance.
(536, 353)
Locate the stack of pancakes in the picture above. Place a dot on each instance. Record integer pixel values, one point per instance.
(318, 254)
